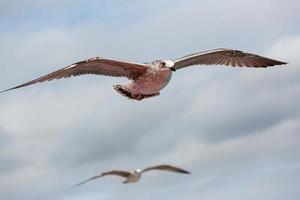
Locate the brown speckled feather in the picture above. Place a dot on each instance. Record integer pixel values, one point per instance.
(124, 174)
(166, 168)
(227, 57)
(97, 66)
(117, 173)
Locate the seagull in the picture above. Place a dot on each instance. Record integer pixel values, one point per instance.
(135, 175)
(148, 79)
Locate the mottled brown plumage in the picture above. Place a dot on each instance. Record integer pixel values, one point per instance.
(166, 168)
(135, 175)
(96, 66)
(227, 57)
(147, 80)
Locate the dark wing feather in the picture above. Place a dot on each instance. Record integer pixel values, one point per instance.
(97, 66)
(124, 174)
(225, 57)
(166, 168)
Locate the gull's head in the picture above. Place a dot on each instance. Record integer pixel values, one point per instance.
(166, 64)
(137, 171)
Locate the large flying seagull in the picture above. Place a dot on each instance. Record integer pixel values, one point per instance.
(135, 175)
(146, 80)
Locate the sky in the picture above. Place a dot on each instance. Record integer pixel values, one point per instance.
(235, 129)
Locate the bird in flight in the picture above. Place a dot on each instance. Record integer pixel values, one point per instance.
(148, 79)
(135, 175)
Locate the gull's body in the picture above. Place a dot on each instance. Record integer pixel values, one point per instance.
(147, 80)
(152, 81)
(135, 175)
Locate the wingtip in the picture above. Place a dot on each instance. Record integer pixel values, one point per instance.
(74, 186)
(79, 184)
(279, 63)
(3, 91)
(87, 180)
(274, 63)
(184, 171)
(13, 88)
(283, 63)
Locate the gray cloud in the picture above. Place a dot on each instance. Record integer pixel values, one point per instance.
(7, 160)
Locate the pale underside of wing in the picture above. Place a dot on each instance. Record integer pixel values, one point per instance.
(227, 57)
(96, 66)
(124, 174)
(166, 168)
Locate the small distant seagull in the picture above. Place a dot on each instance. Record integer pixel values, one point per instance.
(146, 80)
(135, 175)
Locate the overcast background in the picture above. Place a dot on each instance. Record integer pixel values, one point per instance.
(235, 129)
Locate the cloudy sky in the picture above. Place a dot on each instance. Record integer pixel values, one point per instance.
(236, 130)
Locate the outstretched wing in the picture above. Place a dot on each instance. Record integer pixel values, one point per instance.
(124, 174)
(166, 168)
(228, 57)
(97, 66)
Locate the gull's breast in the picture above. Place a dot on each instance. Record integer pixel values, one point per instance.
(134, 178)
(153, 81)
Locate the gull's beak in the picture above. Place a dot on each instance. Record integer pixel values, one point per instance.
(173, 69)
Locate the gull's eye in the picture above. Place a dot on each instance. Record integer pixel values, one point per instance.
(163, 63)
